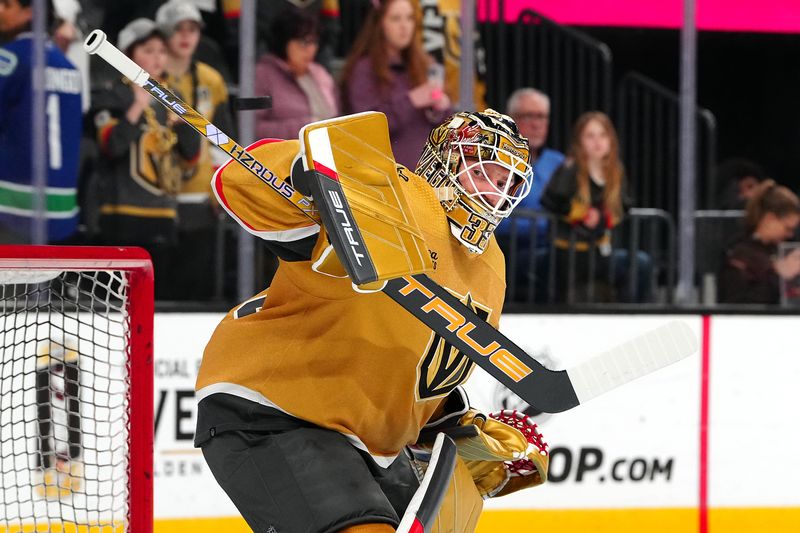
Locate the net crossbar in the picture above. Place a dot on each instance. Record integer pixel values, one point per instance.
(75, 390)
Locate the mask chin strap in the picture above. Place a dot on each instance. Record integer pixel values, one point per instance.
(446, 194)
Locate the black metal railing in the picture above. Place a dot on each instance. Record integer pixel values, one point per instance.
(532, 263)
(224, 270)
(643, 245)
(714, 232)
(647, 120)
(534, 51)
(351, 17)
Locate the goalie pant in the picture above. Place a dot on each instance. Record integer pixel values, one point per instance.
(289, 475)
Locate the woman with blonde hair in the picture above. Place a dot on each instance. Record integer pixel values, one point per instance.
(588, 194)
(388, 71)
(752, 271)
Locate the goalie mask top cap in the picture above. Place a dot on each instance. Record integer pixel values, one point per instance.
(479, 165)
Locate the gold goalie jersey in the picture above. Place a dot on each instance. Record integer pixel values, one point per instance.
(314, 348)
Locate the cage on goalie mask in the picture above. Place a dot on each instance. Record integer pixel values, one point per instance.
(471, 141)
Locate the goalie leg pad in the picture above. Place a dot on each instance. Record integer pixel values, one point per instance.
(462, 503)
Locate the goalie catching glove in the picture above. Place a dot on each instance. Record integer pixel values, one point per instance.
(503, 451)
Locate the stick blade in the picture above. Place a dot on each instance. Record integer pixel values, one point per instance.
(633, 359)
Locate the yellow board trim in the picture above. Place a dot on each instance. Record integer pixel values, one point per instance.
(673, 520)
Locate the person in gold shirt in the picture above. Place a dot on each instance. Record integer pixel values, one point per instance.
(205, 90)
(310, 393)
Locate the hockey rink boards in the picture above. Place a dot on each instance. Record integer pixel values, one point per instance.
(634, 459)
(627, 461)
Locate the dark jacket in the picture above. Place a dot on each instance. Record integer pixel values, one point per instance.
(748, 274)
(139, 173)
(561, 198)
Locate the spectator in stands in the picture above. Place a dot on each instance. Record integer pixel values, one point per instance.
(588, 194)
(68, 37)
(204, 89)
(530, 109)
(387, 71)
(751, 272)
(302, 91)
(63, 123)
(326, 12)
(739, 179)
(145, 153)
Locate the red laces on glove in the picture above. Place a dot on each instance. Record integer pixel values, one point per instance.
(522, 422)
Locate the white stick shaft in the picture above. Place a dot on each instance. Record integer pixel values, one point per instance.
(97, 43)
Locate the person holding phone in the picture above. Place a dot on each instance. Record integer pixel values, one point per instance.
(388, 71)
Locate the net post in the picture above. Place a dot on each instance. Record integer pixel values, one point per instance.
(141, 435)
(131, 281)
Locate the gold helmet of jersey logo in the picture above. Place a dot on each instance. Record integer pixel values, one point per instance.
(456, 162)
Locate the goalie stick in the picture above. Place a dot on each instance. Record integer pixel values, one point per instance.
(547, 390)
(427, 500)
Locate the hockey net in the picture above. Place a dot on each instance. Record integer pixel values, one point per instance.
(76, 391)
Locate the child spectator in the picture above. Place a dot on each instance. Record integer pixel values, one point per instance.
(302, 91)
(387, 71)
(63, 108)
(587, 192)
(203, 89)
(145, 153)
(751, 271)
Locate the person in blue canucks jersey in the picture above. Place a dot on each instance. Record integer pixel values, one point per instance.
(64, 123)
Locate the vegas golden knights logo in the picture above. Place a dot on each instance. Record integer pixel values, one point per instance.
(153, 161)
(442, 366)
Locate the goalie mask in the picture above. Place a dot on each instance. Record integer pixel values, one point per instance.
(479, 165)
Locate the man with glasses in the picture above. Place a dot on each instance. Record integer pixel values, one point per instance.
(530, 109)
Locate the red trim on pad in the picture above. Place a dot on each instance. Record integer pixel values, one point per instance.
(327, 171)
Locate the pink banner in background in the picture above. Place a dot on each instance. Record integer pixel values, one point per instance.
(771, 16)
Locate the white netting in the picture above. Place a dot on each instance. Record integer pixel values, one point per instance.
(64, 403)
